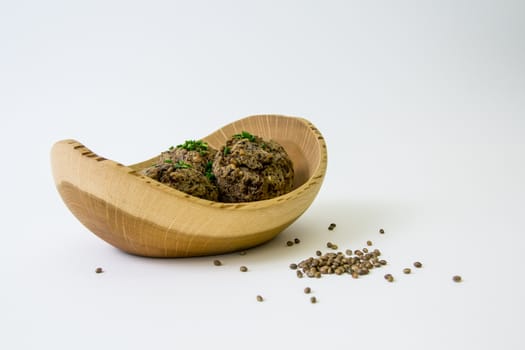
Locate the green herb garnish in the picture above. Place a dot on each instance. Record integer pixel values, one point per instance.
(226, 150)
(245, 135)
(209, 172)
(171, 148)
(181, 165)
(168, 161)
(192, 145)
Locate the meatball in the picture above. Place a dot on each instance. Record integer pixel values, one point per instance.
(249, 168)
(183, 177)
(187, 168)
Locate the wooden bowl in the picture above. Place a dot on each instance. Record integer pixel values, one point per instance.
(144, 217)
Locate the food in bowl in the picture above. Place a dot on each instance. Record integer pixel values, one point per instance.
(246, 169)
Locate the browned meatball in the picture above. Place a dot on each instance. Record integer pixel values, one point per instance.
(183, 177)
(249, 168)
(187, 168)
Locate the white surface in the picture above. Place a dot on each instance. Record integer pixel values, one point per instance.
(422, 106)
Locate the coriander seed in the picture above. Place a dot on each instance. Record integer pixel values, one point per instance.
(307, 290)
(331, 227)
(243, 252)
(293, 266)
(457, 278)
(259, 298)
(99, 270)
(289, 243)
(313, 300)
(243, 268)
(389, 277)
(299, 274)
(217, 262)
(296, 240)
(318, 253)
(417, 264)
(406, 270)
(329, 244)
(368, 243)
(381, 231)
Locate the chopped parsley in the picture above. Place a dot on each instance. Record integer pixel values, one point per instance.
(192, 145)
(181, 165)
(245, 135)
(209, 172)
(226, 150)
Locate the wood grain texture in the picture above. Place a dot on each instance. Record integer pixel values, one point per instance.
(144, 217)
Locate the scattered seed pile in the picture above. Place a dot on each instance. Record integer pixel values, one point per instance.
(356, 263)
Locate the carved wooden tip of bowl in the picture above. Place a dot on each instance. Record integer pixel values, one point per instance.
(144, 217)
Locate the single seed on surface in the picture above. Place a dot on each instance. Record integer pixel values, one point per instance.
(329, 244)
(307, 290)
(296, 240)
(407, 270)
(389, 277)
(299, 274)
(365, 250)
(382, 262)
(289, 243)
(313, 300)
(217, 262)
(293, 266)
(243, 268)
(334, 246)
(381, 231)
(417, 264)
(259, 298)
(363, 272)
(457, 279)
(318, 253)
(99, 270)
(331, 227)
(348, 252)
(368, 243)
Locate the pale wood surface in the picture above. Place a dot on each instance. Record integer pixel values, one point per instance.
(144, 217)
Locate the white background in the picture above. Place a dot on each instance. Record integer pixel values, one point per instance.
(422, 105)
